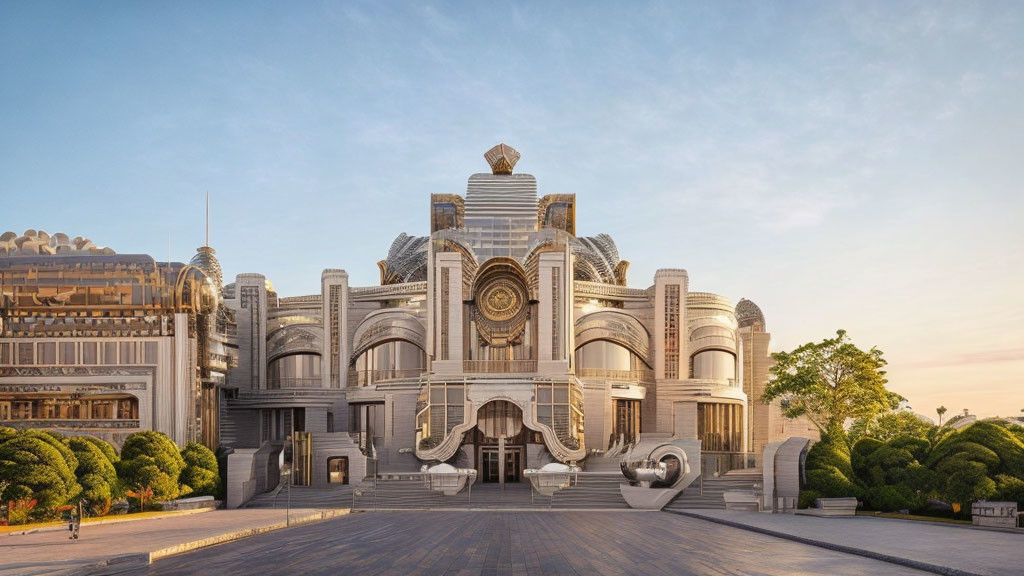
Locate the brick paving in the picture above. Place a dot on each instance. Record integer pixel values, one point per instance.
(958, 547)
(517, 543)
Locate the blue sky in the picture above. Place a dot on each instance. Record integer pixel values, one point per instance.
(852, 166)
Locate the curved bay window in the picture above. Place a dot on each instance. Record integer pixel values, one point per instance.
(441, 409)
(560, 407)
(713, 365)
(101, 411)
(294, 371)
(389, 360)
(720, 427)
(607, 359)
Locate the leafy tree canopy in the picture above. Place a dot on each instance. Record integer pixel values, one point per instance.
(829, 382)
(890, 425)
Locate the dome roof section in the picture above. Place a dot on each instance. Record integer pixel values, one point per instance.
(749, 314)
(206, 260)
(38, 242)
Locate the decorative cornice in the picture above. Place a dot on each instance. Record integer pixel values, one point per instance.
(387, 292)
(585, 289)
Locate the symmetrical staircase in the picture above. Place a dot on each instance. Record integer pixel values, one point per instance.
(589, 491)
(339, 496)
(693, 497)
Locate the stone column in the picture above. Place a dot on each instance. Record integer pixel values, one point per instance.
(334, 315)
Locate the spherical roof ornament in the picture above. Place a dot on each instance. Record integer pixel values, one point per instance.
(749, 314)
(502, 158)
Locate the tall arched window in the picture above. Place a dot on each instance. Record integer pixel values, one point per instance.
(394, 359)
(294, 371)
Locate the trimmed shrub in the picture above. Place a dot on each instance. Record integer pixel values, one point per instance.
(970, 452)
(967, 482)
(6, 433)
(916, 445)
(995, 439)
(151, 460)
(1010, 489)
(35, 469)
(96, 474)
(889, 498)
(201, 475)
(830, 482)
(828, 469)
(106, 447)
(807, 498)
(859, 455)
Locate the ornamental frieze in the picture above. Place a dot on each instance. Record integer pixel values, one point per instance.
(36, 371)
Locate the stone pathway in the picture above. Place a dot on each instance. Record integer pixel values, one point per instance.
(495, 543)
(953, 547)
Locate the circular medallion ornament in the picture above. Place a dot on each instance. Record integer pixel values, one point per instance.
(501, 306)
(501, 302)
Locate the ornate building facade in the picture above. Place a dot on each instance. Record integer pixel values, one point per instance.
(500, 342)
(106, 344)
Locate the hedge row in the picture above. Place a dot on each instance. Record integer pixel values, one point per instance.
(42, 471)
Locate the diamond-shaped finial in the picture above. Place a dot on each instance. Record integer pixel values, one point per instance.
(502, 158)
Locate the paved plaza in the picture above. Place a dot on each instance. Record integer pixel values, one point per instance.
(515, 542)
(959, 547)
(50, 551)
(495, 543)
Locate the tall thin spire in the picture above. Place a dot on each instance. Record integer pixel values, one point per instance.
(207, 217)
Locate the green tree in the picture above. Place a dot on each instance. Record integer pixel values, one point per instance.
(201, 476)
(95, 472)
(151, 460)
(941, 410)
(829, 382)
(6, 433)
(892, 424)
(34, 468)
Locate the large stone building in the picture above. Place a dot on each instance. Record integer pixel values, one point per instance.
(106, 344)
(500, 342)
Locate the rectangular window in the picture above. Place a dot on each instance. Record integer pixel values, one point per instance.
(47, 353)
(127, 353)
(5, 353)
(25, 353)
(150, 352)
(67, 353)
(110, 353)
(88, 352)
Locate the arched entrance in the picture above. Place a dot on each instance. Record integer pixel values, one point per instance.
(500, 442)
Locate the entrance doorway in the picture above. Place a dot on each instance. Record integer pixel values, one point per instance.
(627, 421)
(491, 469)
(500, 442)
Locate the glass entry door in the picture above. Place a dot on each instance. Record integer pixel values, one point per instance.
(490, 460)
(512, 462)
(490, 469)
